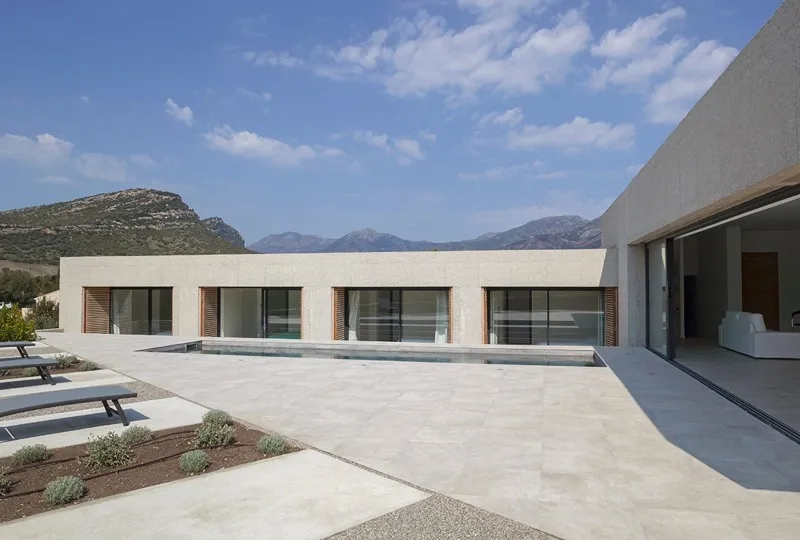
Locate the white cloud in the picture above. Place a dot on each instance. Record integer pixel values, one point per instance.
(55, 179)
(500, 51)
(581, 132)
(143, 160)
(405, 150)
(329, 151)
(263, 97)
(511, 117)
(45, 151)
(85, 100)
(101, 167)
(557, 203)
(181, 114)
(500, 173)
(271, 58)
(634, 169)
(552, 175)
(250, 145)
(636, 53)
(691, 78)
(427, 135)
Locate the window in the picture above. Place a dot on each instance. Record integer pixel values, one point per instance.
(545, 317)
(141, 311)
(260, 313)
(410, 315)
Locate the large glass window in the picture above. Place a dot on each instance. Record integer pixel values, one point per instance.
(545, 317)
(253, 312)
(141, 311)
(657, 297)
(411, 315)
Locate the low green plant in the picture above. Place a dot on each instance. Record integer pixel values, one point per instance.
(65, 360)
(4, 372)
(136, 435)
(108, 450)
(6, 483)
(271, 445)
(31, 454)
(14, 327)
(88, 365)
(214, 435)
(44, 314)
(30, 372)
(217, 417)
(193, 462)
(63, 490)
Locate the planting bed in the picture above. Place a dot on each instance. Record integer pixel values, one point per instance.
(155, 462)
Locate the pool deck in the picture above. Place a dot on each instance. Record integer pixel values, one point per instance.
(635, 451)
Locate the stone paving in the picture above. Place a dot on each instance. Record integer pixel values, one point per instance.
(635, 451)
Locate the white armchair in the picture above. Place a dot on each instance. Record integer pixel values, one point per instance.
(745, 333)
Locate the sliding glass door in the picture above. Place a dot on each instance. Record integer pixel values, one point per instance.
(545, 317)
(410, 315)
(282, 313)
(141, 311)
(255, 312)
(662, 315)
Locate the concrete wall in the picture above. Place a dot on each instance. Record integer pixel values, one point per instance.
(741, 140)
(785, 243)
(466, 272)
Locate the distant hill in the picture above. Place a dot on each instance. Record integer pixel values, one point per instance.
(224, 231)
(130, 222)
(556, 232)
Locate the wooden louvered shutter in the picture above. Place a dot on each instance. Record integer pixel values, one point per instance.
(610, 317)
(96, 310)
(209, 311)
(338, 314)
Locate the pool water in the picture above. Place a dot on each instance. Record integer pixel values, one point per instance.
(478, 357)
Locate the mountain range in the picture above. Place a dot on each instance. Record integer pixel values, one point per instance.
(555, 232)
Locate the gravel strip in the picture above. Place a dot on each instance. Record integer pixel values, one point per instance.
(441, 518)
(146, 392)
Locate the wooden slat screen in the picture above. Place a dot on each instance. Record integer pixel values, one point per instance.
(96, 310)
(209, 311)
(610, 317)
(338, 314)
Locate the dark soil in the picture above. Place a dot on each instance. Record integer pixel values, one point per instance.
(155, 462)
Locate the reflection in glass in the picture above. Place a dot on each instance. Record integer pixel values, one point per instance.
(410, 315)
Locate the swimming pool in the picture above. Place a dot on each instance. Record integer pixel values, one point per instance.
(478, 356)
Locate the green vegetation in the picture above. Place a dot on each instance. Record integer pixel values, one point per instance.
(44, 314)
(31, 454)
(88, 365)
(30, 372)
(108, 451)
(21, 287)
(271, 445)
(66, 360)
(193, 462)
(6, 483)
(64, 490)
(214, 435)
(136, 435)
(130, 222)
(217, 417)
(14, 327)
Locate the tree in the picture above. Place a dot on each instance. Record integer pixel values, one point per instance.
(14, 327)
(44, 314)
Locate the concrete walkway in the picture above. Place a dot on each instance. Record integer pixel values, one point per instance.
(300, 496)
(636, 451)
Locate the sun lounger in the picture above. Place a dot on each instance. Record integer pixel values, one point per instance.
(20, 346)
(58, 398)
(41, 365)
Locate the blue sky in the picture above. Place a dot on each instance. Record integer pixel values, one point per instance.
(429, 119)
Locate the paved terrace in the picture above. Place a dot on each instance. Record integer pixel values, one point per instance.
(636, 451)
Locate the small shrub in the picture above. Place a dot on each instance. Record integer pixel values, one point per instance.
(271, 445)
(193, 462)
(44, 314)
(30, 372)
(214, 435)
(108, 451)
(4, 372)
(217, 417)
(65, 360)
(14, 327)
(5, 481)
(64, 490)
(136, 435)
(31, 454)
(88, 366)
